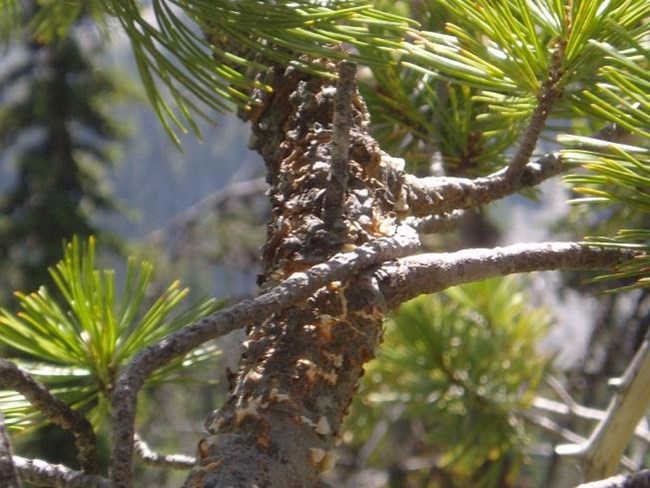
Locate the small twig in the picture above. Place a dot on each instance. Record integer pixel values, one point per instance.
(298, 286)
(549, 93)
(579, 411)
(640, 479)
(8, 475)
(561, 392)
(553, 427)
(437, 224)
(337, 182)
(566, 434)
(173, 461)
(56, 410)
(41, 473)
(570, 407)
(602, 453)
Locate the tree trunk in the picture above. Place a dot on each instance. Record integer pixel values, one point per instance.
(299, 369)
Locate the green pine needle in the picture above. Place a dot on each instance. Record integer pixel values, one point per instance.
(77, 343)
(465, 358)
(617, 175)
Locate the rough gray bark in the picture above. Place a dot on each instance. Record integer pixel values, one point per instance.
(439, 195)
(325, 289)
(300, 367)
(548, 94)
(8, 475)
(296, 288)
(40, 473)
(409, 277)
(57, 411)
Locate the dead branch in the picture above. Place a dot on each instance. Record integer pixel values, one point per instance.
(437, 224)
(181, 225)
(570, 408)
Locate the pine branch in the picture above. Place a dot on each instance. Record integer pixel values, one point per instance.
(429, 273)
(549, 93)
(602, 453)
(57, 411)
(152, 458)
(337, 182)
(439, 195)
(640, 479)
(41, 473)
(8, 475)
(297, 287)
(437, 224)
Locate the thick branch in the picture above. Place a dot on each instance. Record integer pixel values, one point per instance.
(634, 480)
(438, 195)
(8, 475)
(297, 287)
(173, 461)
(57, 411)
(429, 273)
(40, 473)
(337, 181)
(602, 453)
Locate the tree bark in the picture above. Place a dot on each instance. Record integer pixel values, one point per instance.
(300, 368)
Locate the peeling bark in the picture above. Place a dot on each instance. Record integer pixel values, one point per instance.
(300, 368)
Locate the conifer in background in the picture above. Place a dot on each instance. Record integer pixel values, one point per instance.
(55, 137)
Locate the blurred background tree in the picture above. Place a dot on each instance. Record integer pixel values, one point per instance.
(57, 136)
